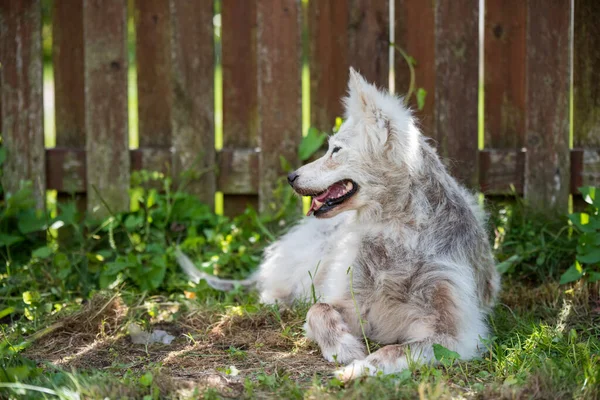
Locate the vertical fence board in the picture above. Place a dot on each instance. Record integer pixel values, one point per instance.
(279, 90)
(153, 72)
(586, 74)
(22, 101)
(240, 104)
(547, 167)
(105, 66)
(193, 91)
(368, 39)
(586, 87)
(586, 95)
(328, 60)
(67, 56)
(504, 57)
(415, 35)
(69, 95)
(457, 58)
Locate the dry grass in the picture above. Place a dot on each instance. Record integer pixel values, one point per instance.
(207, 342)
(261, 341)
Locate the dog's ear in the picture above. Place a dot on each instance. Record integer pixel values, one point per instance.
(363, 103)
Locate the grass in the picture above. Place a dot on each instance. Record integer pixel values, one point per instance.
(545, 345)
(58, 339)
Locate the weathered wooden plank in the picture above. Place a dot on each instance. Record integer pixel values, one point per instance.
(151, 159)
(69, 96)
(456, 86)
(505, 62)
(585, 168)
(415, 35)
(279, 90)
(21, 92)
(547, 167)
(66, 170)
(67, 56)
(501, 170)
(368, 39)
(192, 80)
(238, 171)
(328, 60)
(105, 66)
(586, 74)
(153, 56)
(240, 91)
(238, 44)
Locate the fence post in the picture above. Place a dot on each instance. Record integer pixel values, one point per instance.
(193, 95)
(586, 95)
(547, 166)
(456, 86)
(22, 101)
(415, 35)
(505, 52)
(240, 103)
(105, 66)
(279, 91)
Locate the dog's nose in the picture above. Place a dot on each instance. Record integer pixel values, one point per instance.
(292, 177)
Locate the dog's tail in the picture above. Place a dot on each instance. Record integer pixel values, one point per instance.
(196, 275)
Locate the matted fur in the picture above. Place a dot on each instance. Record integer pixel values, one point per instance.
(412, 239)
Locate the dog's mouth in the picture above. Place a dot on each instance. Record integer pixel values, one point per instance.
(335, 195)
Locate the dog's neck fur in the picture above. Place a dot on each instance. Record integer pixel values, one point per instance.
(417, 193)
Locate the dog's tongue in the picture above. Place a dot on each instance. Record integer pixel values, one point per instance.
(333, 191)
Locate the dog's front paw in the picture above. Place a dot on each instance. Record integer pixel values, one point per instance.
(354, 370)
(348, 349)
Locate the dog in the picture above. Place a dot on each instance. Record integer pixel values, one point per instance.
(395, 250)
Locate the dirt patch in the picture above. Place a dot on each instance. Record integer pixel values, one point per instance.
(207, 345)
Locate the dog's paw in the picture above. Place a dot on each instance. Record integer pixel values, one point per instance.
(348, 349)
(354, 370)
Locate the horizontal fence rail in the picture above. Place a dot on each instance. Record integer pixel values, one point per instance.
(519, 137)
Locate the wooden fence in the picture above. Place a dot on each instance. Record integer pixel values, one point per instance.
(533, 50)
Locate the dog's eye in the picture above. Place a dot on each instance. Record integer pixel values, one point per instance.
(335, 149)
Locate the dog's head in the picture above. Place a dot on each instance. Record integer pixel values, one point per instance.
(377, 142)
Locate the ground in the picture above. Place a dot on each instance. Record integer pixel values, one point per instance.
(546, 345)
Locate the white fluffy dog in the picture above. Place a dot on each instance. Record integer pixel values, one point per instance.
(397, 250)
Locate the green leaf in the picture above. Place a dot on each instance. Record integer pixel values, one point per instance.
(68, 213)
(444, 355)
(421, 95)
(2, 155)
(582, 222)
(311, 143)
(507, 264)
(572, 274)
(7, 311)
(30, 298)
(285, 164)
(133, 222)
(156, 275)
(42, 252)
(593, 276)
(9, 240)
(589, 195)
(30, 222)
(591, 257)
(146, 379)
(62, 265)
(15, 374)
